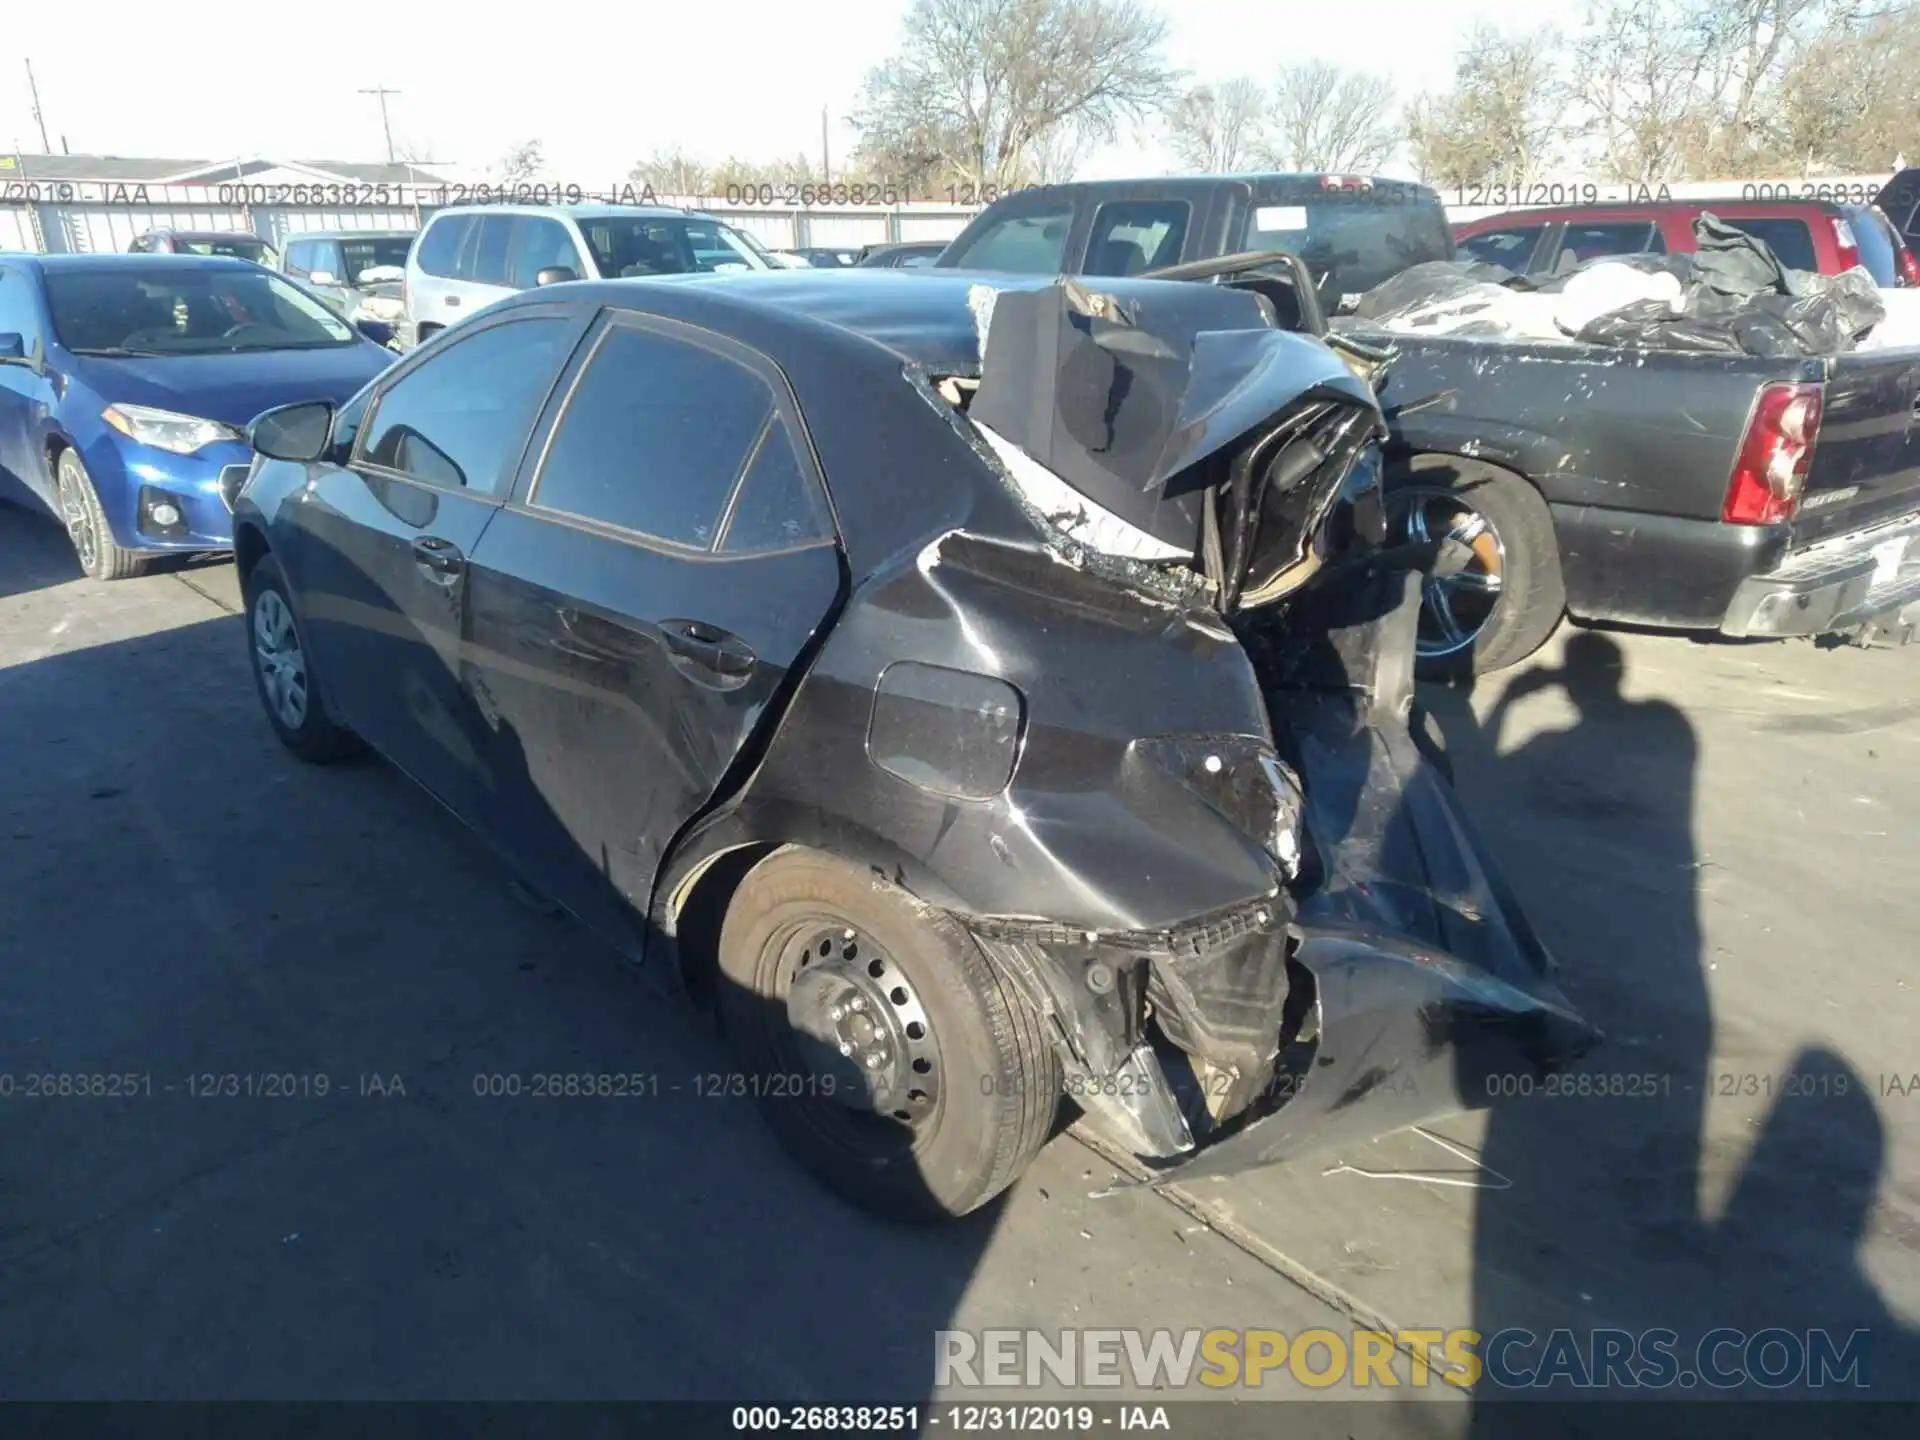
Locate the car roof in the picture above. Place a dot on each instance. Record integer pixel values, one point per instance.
(1715, 203)
(294, 235)
(605, 211)
(141, 262)
(923, 317)
(210, 234)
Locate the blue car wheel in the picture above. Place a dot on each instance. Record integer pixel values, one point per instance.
(87, 526)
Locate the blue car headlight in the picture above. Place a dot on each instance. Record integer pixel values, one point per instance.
(165, 429)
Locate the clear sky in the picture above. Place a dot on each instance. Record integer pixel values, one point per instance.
(599, 85)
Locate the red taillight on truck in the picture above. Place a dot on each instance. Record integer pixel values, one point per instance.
(1775, 454)
(1844, 242)
(1909, 267)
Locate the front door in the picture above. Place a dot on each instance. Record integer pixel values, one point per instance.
(637, 609)
(386, 540)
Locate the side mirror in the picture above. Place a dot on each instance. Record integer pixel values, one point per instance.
(322, 277)
(297, 432)
(12, 346)
(378, 331)
(555, 275)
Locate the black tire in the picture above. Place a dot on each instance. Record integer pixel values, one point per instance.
(308, 730)
(997, 1079)
(78, 507)
(1532, 598)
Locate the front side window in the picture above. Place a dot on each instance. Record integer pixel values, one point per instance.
(1134, 235)
(300, 259)
(380, 252)
(460, 418)
(18, 313)
(658, 436)
(169, 309)
(1033, 242)
(629, 245)
(540, 245)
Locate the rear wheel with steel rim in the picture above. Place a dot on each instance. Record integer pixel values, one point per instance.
(885, 1050)
(100, 557)
(283, 674)
(1496, 593)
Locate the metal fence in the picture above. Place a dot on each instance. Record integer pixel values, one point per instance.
(93, 225)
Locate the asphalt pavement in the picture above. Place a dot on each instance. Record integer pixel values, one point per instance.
(300, 986)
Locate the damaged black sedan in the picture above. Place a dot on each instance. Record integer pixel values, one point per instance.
(984, 690)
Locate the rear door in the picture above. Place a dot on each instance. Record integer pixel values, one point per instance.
(26, 393)
(668, 557)
(1582, 240)
(384, 542)
(433, 270)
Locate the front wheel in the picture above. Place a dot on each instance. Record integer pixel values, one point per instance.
(887, 1053)
(283, 671)
(1507, 597)
(100, 556)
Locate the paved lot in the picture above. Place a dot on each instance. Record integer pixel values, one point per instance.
(1719, 842)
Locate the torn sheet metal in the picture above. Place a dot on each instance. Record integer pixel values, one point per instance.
(1152, 436)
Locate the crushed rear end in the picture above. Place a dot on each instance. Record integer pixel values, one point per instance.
(1385, 975)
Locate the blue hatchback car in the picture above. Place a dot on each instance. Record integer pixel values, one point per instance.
(127, 381)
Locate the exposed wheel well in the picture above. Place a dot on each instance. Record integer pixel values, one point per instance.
(248, 546)
(55, 444)
(697, 916)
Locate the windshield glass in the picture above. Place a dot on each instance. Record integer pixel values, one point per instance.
(172, 309)
(239, 247)
(359, 255)
(1352, 240)
(625, 245)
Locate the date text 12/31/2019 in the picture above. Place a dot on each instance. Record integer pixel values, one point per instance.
(782, 194)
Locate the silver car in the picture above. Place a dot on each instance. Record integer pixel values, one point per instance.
(469, 256)
(360, 273)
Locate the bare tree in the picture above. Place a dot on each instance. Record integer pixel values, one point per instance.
(1502, 117)
(1844, 99)
(979, 85)
(672, 172)
(522, 162)
(1327, 118)
(1218, 129)
(1642, 77)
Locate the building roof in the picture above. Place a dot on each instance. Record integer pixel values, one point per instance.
(150, 170)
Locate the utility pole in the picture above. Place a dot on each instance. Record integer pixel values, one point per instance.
(46, 146)
(385, 126)
(826, 167)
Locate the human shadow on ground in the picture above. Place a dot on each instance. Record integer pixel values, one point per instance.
(1601, 1224)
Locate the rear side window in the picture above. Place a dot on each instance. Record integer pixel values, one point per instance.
(1033, 242)
(488, 265)
(672, 440)
(1581, 243)
(439, 251)
(1134, 235)
(1511, 248)
(1790, 240)
(1873, 236)
(460, 418)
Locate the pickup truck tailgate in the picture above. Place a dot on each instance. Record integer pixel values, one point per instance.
(1866, 460)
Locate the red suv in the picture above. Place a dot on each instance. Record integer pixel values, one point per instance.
(1819, 235)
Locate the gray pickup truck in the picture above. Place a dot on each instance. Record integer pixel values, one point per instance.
(1747, 496)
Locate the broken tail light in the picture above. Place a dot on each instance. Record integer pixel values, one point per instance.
(1775, 455)
(1844, 241)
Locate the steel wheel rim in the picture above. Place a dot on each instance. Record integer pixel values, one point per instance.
(78, 516)
(282, 665)
(854, 1014)
(1456, 608)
